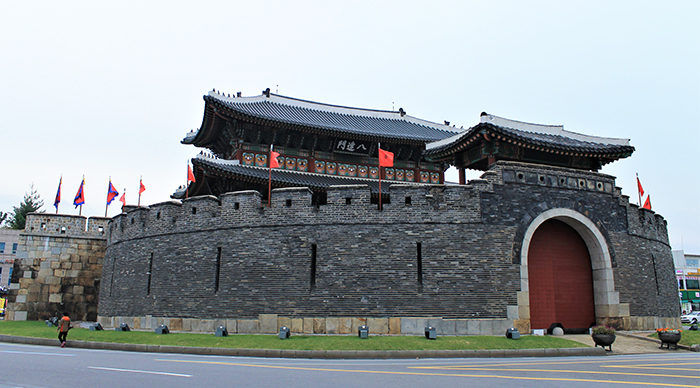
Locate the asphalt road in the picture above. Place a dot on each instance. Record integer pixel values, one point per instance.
(43, 366)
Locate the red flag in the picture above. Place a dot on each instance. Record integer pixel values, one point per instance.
(142, 188)
(273, 159)
(386, 158)
(123, 199)
(190, 175)
(647, 203)
(639, 188)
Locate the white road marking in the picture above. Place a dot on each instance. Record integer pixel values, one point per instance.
(139, 371)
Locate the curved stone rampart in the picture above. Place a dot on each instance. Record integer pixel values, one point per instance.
(445, 251)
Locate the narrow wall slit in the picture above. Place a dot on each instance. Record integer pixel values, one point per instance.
(111, 280)
(312, 280)
(218, 269)
(150, 271)
(419, 264)
(656, 274)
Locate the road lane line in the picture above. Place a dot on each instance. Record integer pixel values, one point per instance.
(139, 371)
(497, 364)
(505, 369)
(432, 374)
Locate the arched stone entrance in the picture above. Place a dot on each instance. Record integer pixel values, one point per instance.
(561, 284)
(605, 299)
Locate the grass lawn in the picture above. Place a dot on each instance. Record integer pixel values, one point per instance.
(688, 337)
(295, 342)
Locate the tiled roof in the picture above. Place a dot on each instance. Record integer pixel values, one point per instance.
(549, 137)
(287, 178)
(331, 118)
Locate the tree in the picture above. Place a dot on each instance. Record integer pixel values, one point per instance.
(3, 217)
(31, 204)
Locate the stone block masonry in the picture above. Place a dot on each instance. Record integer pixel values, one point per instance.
(452, 255)
(58, 267)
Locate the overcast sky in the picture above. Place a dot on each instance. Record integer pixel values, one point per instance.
(109, 89)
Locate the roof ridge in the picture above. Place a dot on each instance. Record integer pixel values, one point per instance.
(399, 115)
(556, 130)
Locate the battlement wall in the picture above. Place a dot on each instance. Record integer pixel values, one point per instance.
(63, 225)
(293, 206)
(409, 204)
(433, 251)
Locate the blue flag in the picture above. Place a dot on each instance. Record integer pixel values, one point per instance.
(80, 196)
(111, 193)
(58, 194)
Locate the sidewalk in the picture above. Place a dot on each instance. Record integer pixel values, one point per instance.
(626, 342)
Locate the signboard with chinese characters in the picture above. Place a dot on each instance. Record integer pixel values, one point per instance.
(352, 146)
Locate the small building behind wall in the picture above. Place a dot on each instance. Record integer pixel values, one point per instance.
(688, 276)
(9, 242)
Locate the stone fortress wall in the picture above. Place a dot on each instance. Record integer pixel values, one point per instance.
(449, 256)
(58, 267)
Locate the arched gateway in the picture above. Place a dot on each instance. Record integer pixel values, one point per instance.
(561, 284)
(563, 252)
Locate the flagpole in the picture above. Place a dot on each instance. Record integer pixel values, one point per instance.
(187, 182)
(140, 180)
(57, 201)
(108, 188)
(82, 189)
(269, 180)
(379, 173)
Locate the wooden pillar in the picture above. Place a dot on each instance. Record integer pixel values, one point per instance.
(462, 176)
(238, 155)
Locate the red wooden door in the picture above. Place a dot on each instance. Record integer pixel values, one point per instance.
(560, 277)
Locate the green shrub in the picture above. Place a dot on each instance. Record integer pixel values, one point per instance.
(603, 330)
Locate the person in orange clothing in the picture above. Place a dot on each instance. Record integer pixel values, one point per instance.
(63, 327)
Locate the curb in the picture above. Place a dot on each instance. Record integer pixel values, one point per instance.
(314, 354)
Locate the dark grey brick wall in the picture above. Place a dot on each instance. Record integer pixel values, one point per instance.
(366, 260)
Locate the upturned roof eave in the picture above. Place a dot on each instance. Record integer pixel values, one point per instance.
(480, 130)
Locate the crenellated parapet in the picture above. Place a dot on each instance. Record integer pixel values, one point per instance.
(294, 206)
(647, 224)
(64, 225)
(412, 204)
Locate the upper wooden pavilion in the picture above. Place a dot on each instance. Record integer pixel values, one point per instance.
(321, 145)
